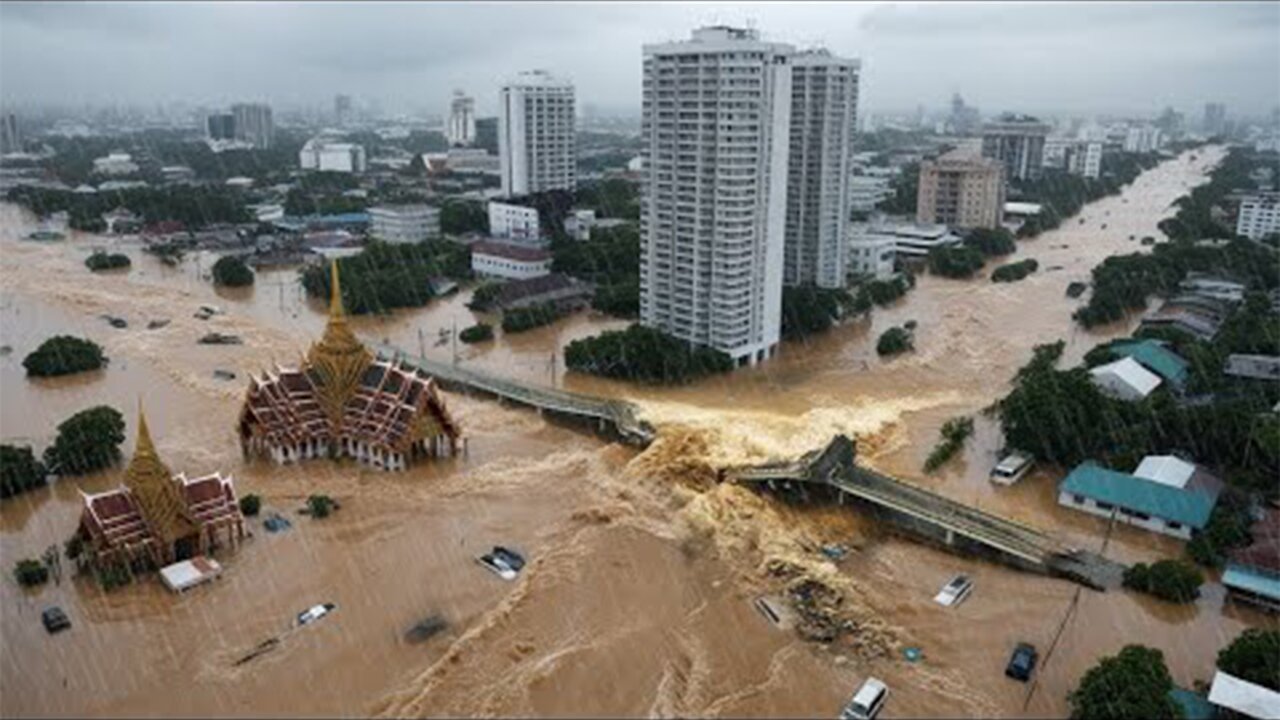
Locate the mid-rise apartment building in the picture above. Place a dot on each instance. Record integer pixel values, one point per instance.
(514, 222)
(1085, 159)
(716, 123)
(1017, 141)
(824, 99)
(1142, 139)
(961, 190)
(404, 223)
(536, 140)
(221, 126)
(1259, 216)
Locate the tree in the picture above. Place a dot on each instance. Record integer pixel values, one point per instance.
(893, 341)
(518, 320)
(320, 505)
(385, 276)
(1132, 684)
(479, 332)
(644, 354)
(101, 260)
(87, 441)
(991, 242)
(955, 261)
(1253, 656)
(250, 505)
(458, 217)
(231, 271)
(809, 310)
(1014, 271)
(952, 436)
(1173, 580)
(64, 355)
(30, 573)
(19, 471)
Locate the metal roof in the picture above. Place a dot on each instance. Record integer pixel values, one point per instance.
(1244, 697)
(1251, 580)
(1155, 357)
(1131, 373)
(1190, 505)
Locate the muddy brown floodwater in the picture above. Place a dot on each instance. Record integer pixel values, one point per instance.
(637, 599)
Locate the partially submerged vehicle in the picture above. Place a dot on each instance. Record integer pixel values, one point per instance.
(54, 619)
(955, 591)
(505, 562)
(867, 702)
(314, 613)
(1011, 469)
(426, 628)
(1022, 663)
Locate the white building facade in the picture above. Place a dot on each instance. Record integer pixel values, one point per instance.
(462, 119)
(514, 222)
(1085, 159)
(326, 155)
(1142, 139)
(824, 100)
(536, 138)
(512, 262)
(716, 123)
(1259, 216)
(404, 223)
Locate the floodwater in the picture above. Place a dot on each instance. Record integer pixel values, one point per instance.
(637, 597)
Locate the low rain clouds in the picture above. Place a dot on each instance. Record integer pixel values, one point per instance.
(1068, 57)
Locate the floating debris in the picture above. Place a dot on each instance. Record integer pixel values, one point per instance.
(224, 375)
(261, 648)
(835, 552)
(157, 324)
(426, 628)
(1076, 289)
(275, 522)
(116, 322)
(215, 338)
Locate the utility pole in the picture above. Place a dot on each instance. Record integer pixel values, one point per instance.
(553, 368)
(454, 336)
(422, 345)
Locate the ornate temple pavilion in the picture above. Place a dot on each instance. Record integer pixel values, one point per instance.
(342, 401)
(157, 516)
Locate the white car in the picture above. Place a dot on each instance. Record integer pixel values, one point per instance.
(1011, 469)
(955, 591)
(867, 702)
(315, 612)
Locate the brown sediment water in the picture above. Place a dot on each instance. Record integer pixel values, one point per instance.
(637, 597)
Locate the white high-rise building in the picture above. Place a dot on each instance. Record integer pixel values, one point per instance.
(462, 119)
(1085, 159)
(536, 141)
(253, 124)
(716, 125)
(1259, 216)
(824, 99)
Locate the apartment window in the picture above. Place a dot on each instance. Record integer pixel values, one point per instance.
(1079, 499)
(1172, 525)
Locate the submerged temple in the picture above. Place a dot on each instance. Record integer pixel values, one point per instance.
(157, 516)
(342, 401)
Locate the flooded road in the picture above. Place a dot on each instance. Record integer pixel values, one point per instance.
(637, 597)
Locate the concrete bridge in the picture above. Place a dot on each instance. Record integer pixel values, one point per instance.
(614, 418)
(933, 517)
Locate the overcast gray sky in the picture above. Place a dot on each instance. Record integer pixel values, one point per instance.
(1075, 57)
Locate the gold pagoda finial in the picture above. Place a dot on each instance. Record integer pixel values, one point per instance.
(335, 291)
(153, 488)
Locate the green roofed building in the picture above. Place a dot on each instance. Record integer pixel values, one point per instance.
(1154, 356)
(1165, 494)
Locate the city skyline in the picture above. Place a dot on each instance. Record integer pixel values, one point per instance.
(1154, 55)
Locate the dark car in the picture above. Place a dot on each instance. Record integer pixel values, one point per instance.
(1023, 662)
(54, 619)
(426, 629)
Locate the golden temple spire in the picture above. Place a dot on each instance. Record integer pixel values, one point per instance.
(339, 360)
(153, 488)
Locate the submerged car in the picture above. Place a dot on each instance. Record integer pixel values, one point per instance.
(54, 619)
(1022, 663)
(426, 628)
(315, 612)
(506, 563)
(867, 702)
(1011, 469)
(955, 591)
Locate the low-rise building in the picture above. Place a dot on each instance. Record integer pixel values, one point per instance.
(1198, 315)
(404, 223)
(177, 173)
(1241, 698)
(911, 241)
(514, 222)
(1253, 572)
(116, 163)
(1253, 367)
(871, 254)
(578, 224)
(1212, 287)
(1259, 216)
(508, 260)
(1165, 494)
(1125, 379)
(1156, 356)
(564, 292)
(122, 221)
(868, 191)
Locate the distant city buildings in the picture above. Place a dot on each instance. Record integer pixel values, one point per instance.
(487, 134)
(462, 120)
(963, 120)
(342, 110)
(961, 189)
(1215, 118)
(824, 99)
(116, 163)
(1259, 216)
(536, 139)
(221, 126)
(1084, 158)
(1142, 139)
(10, 134)
(1017, 141)
(320, 153)
(404, 223)
(253, 124)
(713, 238)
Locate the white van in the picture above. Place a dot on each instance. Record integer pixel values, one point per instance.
(1011, 469)
(867, 702)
